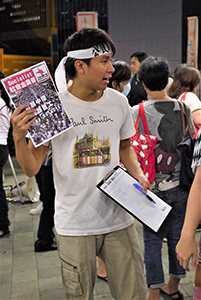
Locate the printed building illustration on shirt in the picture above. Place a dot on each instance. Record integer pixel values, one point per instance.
(91, 151)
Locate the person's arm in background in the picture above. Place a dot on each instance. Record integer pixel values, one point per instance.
(129, 158)
(29, 157)
(187, 247)
(195, 105)
(197, 117)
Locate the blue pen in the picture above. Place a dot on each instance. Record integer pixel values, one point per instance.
(139, 189)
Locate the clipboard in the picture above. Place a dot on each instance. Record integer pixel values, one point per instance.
(148, 209)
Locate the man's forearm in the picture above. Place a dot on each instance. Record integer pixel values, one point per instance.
(29, 157)
(130, 161)
(28, 162)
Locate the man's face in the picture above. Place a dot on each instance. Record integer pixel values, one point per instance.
(135, 64)
(99, 72)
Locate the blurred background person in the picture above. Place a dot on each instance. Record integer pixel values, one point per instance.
(183, 87)
(5, 114)
(137, 93)
(163, 119)
(44, 178)
(121, 76)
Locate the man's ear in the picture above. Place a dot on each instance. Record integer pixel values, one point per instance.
(145, 87)
(80, 66)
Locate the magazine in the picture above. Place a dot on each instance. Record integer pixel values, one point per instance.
(34, 86)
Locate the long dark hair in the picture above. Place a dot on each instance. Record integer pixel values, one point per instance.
(4, 95)
(186, 78)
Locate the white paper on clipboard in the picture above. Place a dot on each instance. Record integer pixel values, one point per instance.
(118, 185)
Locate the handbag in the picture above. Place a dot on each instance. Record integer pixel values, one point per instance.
(186, 148)
(144, 144)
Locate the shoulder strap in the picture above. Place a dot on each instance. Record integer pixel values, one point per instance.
(137, 120)
(182, 119)
(188, 120)
(183, 98)
(144, 121)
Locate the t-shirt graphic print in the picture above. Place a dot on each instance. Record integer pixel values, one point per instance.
(90, 151)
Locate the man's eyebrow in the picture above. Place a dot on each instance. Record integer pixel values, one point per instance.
(106, 56)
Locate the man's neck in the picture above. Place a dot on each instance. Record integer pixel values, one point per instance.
(158, 95)
(84, 93)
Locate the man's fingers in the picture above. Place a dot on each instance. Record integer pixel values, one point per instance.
(193, 261)
(22, 115)
(183, 262)
(21, 119)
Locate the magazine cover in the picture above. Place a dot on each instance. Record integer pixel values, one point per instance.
(34, 86)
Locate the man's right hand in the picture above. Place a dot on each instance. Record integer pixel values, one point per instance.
(21, 119)
(29, 157)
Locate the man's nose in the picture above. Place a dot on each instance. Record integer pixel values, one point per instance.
(111, 68)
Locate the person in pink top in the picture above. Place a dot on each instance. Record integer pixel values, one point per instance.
(183, 87)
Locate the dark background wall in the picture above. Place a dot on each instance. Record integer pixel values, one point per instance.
(154, 27)
(158, 27)
(66, 13)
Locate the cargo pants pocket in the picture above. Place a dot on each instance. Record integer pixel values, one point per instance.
(71, 279)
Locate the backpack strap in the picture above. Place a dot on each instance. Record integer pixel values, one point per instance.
(190, 130)
(184, 113)
(182, 119)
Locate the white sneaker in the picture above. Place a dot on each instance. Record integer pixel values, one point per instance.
(37, 210)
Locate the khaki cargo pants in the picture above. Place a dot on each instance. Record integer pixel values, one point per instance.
(122, 255)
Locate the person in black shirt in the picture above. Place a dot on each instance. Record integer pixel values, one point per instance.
(137, 93)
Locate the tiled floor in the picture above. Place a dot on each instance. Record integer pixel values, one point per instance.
(26, 275)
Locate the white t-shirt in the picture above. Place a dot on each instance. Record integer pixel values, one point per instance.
(5, 114)
(192, 100)
(196, 161)
(84, 155)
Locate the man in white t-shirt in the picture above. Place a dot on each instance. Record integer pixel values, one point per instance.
(87, 222)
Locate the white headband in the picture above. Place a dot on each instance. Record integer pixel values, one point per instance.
(60, 74)
(89, 53)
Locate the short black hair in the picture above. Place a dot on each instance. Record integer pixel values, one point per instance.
(154, 73)
(122, 71)
(139, 55)
(83, 39)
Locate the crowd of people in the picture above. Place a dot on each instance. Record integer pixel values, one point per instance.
(89, 227)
